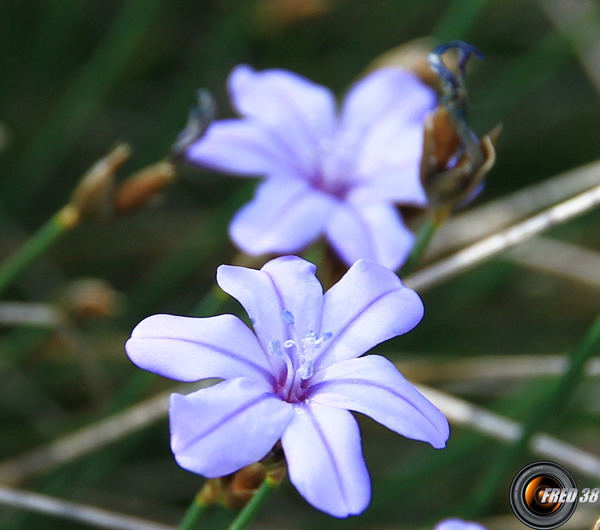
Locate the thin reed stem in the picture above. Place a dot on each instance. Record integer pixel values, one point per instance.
(544, 410)
(491, 246)
(250, 511)
(193, 515)
(73, 511)
(426, 233)
(42, 240)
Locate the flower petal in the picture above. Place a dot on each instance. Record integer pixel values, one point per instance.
(325, 462)
(393, 149)
(299, 112)
(283, 284)
(189, 349)
(373, 386)
(241, 147)
(391, 144)
(384, 92)
(400, 185)
(370, 230)
(285, 216)
(218, 430)
(458, 524)
(367, 306)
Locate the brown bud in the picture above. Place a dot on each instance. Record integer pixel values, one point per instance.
(141, 187)
(244, 485)
(91, 299)
(276, 472)
(211, 492)
(454, 162)
(235, 490)
(92, 197)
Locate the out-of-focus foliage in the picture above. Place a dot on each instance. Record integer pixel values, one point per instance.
(79, 77)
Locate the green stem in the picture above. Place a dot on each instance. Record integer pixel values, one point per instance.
(193, 515)
(34, 247)
(542, 412)
(250, 511)
(426, 232)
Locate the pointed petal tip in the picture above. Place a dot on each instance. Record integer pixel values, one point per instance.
(440, 441)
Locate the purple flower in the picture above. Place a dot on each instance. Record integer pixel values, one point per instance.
(294, 378)
(458, 524)
(326, 174)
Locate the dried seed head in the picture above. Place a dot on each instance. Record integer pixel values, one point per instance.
(452, 178)
(455, 161)
(141, 187)
(92, 198)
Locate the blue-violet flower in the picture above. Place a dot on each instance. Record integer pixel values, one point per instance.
(294, 378)
(338, 175)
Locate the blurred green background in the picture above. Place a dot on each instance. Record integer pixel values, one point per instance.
(79, 76)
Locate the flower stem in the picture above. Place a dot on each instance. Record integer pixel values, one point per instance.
(550, 404)
(193, 515)
(250, 511)
(426, 232)
(59, 223)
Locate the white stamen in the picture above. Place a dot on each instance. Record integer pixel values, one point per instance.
(310, 339)
(306, 369)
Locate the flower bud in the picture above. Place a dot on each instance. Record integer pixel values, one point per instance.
(91, 299)
(92, 197)
(211, 492)
(143, 186)
(453, 170)
(244, 484)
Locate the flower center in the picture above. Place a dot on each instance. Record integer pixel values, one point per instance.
(335, 167)
(297, 354)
